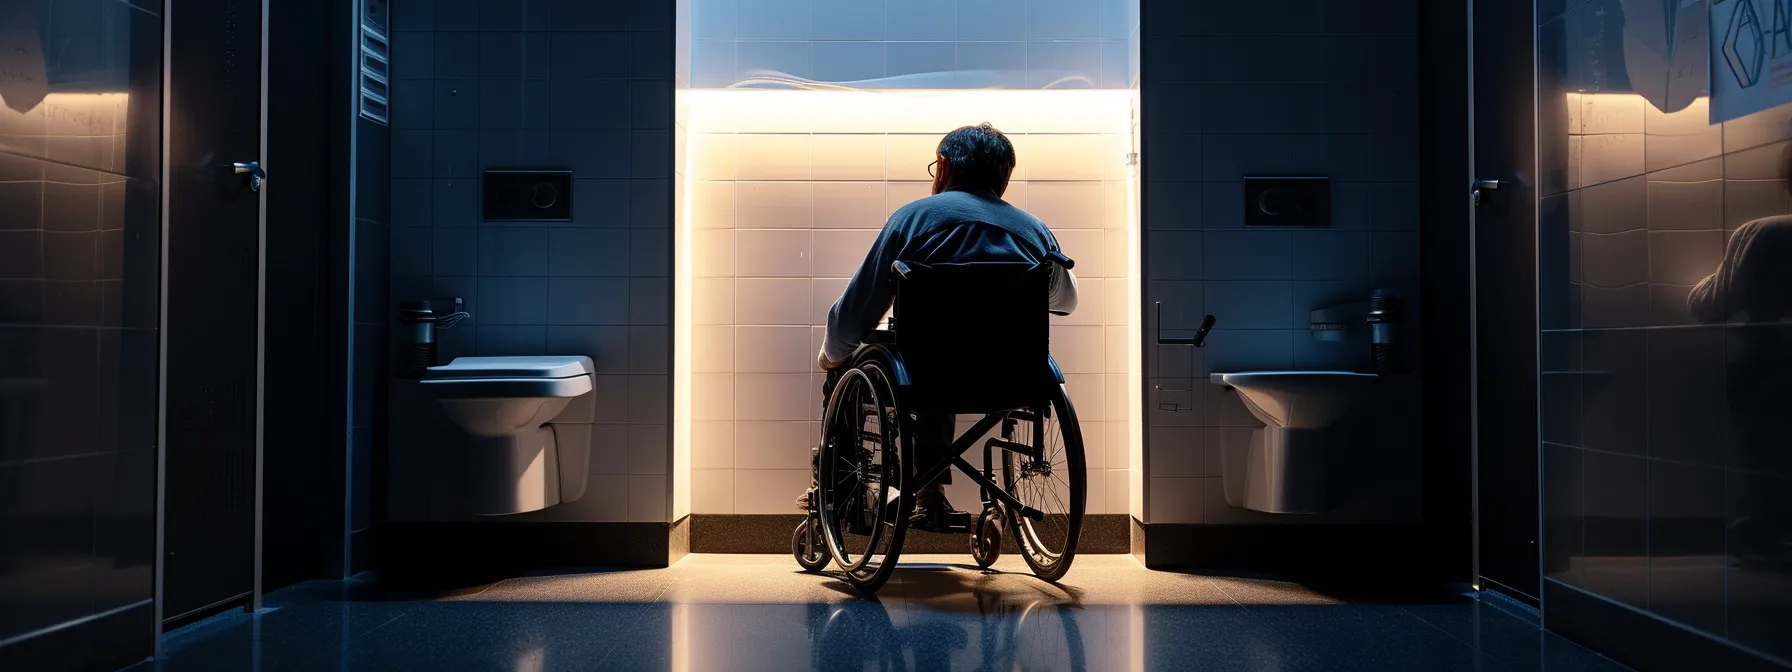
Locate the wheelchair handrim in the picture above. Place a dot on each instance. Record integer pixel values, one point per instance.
(831, 518)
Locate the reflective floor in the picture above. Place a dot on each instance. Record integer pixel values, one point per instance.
(755, 612)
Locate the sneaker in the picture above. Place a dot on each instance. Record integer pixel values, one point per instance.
(934, 513)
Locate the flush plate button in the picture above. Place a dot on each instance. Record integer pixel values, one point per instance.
(528, 195)
(1287, 201)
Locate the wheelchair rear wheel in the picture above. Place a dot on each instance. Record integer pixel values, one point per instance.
(860, 473)
(1055, 483)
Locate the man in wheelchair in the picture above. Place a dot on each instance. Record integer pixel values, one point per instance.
(964, 221)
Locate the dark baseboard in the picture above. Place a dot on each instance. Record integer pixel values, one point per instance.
(478, 547)
(1390, 550)
(1639, 639)
(678, 540)
(103, 644)
(770, 533)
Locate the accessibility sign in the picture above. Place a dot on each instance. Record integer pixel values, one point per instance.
(1751, 56)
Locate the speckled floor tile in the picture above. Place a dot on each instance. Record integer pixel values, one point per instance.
(757, 612)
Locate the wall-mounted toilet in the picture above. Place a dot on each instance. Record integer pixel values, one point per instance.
(1286, 467)
(505, 407)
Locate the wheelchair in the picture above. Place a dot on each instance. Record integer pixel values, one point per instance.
(964, 339)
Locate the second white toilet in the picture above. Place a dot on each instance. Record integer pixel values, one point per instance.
(506, 406)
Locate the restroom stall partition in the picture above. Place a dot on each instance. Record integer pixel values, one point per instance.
(80, 261)
(802, 131)
(1329, 89)
(1664, 439)
(211, 465)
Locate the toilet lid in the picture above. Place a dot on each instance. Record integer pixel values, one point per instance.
(512, 367)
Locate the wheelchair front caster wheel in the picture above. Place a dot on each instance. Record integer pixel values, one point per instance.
(986, 538)
(806, 545)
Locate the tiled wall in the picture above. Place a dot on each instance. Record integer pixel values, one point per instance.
(1662, 437)
(79, 310)
(585, 85)
(915, 44)
(789, 189)
(1309, 88)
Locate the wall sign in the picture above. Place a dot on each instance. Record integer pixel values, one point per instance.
(1751, 57)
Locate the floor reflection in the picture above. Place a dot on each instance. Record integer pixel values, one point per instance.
(756, 613)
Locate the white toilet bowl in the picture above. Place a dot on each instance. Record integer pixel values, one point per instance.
(504, 405)
(1287, 466)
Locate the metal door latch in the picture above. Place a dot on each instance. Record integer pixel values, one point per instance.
(1478, 193)
(253, 169)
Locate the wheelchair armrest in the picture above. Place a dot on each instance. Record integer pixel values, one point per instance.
(881, 337)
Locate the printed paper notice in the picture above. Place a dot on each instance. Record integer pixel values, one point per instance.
(1751, 56)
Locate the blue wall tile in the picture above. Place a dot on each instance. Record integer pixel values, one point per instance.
(457, 56)
(588, 301)
(773, 20)
(584, 252)
(589, 55)
(786, 57)
(512, 301)
(1251, 304)
(848, 61)
(993, 20)
(591, 104)
(514, 56)
(908, 58)
(457, 15)
(413, 55)
(457, 104)
(841, 20)
(585, 15)
(1248, 255)
(513, 251)
(921, 20)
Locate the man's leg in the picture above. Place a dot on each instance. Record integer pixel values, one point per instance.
(827, 388)
(932, 510)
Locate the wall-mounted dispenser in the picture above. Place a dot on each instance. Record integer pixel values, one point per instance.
(421, 320)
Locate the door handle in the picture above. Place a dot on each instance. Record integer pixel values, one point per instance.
(253, 170)
(1478, 193)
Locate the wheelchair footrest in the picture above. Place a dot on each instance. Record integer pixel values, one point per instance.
(957, 522)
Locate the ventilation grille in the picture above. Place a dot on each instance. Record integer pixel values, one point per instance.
(376, 68)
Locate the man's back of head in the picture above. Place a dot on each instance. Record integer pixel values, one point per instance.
(975, 159)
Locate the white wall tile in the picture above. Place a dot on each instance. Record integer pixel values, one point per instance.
(712, 253)
(826, 291)
(774, 157)
(712, 155)
(774, 205)
(774, 350)
(1095, 452)
(712, 349)
(1068, 205)
(1088, 248)
(1088, 391)
(772, 253)
(850, 205)
(1119, 490)
(712, 442)
(909, 155)
(848, 157)
(768, 490)
(774, 445)
(1119, 356)
(1065, 157)
(771, 396)
(647, 501)
(904, 193)
(712, 301)
(1095, 495)
(772, 301)
(712, 204)
(712, 397)
(1079, 349)
(1116, 394)
(712, 491)
(840, 253)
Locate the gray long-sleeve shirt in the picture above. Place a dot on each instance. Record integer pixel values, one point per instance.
(944, 228)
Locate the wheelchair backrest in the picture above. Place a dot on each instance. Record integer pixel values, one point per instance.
(974, 337)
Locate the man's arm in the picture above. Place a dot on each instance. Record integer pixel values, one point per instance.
(867, 297)
(1063, 291)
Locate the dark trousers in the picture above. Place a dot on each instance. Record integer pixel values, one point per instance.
(936, 430)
